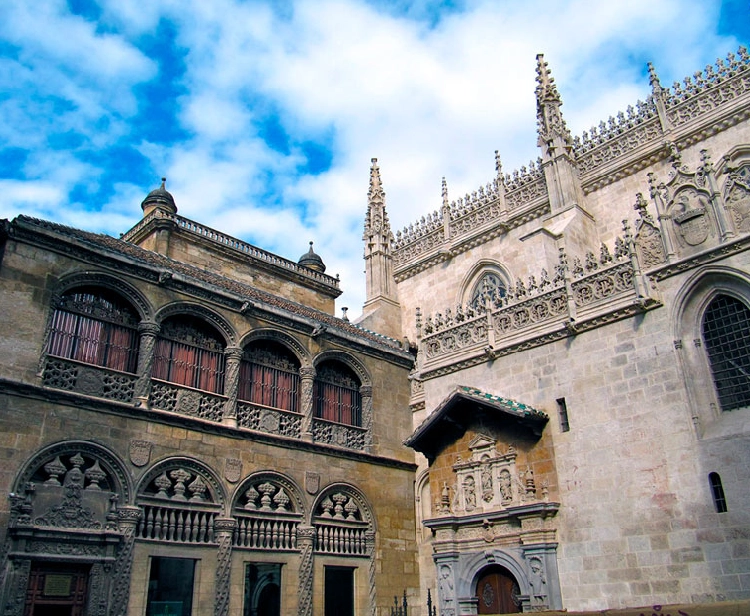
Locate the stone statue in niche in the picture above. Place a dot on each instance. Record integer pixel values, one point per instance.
(445, 584)
(487, 491)
(505, 485)
(470, 494)
(538, 583)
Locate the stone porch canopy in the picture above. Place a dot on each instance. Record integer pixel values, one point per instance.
(467, 405)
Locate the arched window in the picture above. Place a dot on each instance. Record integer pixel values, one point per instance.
(726, 334)
(336, 394)
(491, 283)
(95, 326)
(189, 352)
(269, 375)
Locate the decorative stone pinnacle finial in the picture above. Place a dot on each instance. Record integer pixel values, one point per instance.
(498, 164)
(653, 79)
(445, 192)
(376, 193)
(546, 90)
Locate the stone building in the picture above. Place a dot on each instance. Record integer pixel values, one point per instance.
(581, 396)
(187, 429)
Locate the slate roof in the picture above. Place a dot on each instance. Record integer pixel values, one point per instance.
(102, 244)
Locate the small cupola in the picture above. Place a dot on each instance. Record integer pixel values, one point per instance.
(159, 198)
(312, 261)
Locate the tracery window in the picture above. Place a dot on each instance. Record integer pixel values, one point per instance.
(491, 283)
(189, 352)
(95, 326)
(726, 334)
(336, 394)
(269, 375)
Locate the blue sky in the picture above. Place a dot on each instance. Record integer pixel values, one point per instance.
(264, 115)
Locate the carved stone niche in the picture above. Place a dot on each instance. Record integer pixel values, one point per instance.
(487, 481)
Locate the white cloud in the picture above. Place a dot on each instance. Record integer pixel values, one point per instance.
(427, 101)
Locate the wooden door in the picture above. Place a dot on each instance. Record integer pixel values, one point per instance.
(56, 590)
(498, 592)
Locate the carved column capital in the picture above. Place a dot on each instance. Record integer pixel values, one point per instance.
(233, 353)
(148, 328)
(307, 372)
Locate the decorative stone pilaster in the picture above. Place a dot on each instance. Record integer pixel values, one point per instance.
(17, 581)
(148, 332)
(305, 540)
(223, 529)
(231, 385)
(127, 520)
(365, 392)
(307, 380)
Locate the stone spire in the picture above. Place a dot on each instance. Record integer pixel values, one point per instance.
(381, 311)
(556, 143)
(376, 220)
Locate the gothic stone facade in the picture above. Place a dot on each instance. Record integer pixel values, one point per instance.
(177, 439)
(605, 287)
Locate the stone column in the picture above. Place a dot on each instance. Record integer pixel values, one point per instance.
(223, 530)
(365, 392)
(307, 380)
(231, 385)
(305, 541)
(127, 521)
(148, 331)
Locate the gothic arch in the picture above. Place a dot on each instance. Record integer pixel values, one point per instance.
(214, 319)
(475, 275)
(197, 468)
(690, 305)
(291, 488)
(281, 337)
(108, 461)
(346, 358)
(128, 292)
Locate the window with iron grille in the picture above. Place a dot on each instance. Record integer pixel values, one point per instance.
(726, 334)
(189, 352)
(95, 326)
(269, 375)
(336, 394)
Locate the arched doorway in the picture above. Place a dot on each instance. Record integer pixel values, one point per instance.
(497, 591)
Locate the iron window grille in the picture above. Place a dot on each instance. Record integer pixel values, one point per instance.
(95, 326)
(188, 352)
(726, 334)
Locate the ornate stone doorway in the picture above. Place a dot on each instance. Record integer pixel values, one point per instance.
(498, 592)
(56, 590)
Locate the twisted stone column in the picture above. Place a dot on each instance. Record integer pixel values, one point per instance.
(365, 392)
(307, 380)
(223, 529)
(372, 567)
(231, 384)
(148, 332)
(305, 541)
(127, 521)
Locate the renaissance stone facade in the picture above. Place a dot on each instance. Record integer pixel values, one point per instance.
(188, 430)
(581, 395)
